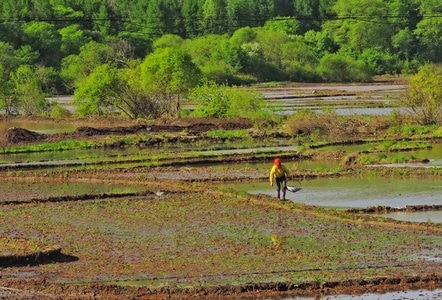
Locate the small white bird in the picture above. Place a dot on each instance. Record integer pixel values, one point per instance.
(160, 193)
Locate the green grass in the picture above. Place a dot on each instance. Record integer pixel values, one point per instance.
(41, 147)
(228, 134)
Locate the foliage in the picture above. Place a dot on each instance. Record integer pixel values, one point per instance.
(227, 134)
(76, 67)
(425, 94)
(59, 112)
(230, 41)
(167, 75)
(412, 129)
(331, 126)
(28, 92)
(340, 68)
(222, 101)
(96, 90)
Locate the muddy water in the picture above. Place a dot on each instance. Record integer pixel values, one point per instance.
(434, 154)
(69, 157)
(405, 295)
(348, 192)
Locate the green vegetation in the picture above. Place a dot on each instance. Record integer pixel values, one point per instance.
(63, 145)
(117, 56)
(425, 95)
(228, 134)
(15, 246)
(222, 101)
(228, 235)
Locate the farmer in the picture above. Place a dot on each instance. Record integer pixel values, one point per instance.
(279, 174)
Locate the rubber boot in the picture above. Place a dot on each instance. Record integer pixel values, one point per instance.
(278, 194)
(283, 193)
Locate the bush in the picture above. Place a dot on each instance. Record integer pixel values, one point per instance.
(338, 68)
(222, 101)
(425, 95)
(60, 112)
(326, 124)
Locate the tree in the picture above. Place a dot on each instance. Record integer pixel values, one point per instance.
(109, 88)
(74, 68)
(360, 24)
(339, 68)
(168, 40)
(7, 101)
(299, 61)
(95, 91)
(44, 37)
(270, 43)
(222, 101)
(380, 61)
(215, 17)
(307, 12)
(429, 31)
(425, 95)
(72, 39)
(28, 91)
(133, 99)
(192, 11)
(283, 8)
(167, 74)
(288, 26)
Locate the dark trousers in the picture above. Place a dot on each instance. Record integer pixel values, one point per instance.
(281, 182)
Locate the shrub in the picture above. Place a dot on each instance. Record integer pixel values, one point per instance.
(425, 95)
(339, 68)
(222, 101)
(60, 112)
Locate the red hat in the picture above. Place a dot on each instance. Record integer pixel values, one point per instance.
(277, 162)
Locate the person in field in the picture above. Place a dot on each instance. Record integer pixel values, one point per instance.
(278, 175)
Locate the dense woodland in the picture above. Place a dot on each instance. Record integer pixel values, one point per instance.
(142, 56)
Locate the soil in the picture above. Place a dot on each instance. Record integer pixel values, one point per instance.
(21, 279)
(15, 135)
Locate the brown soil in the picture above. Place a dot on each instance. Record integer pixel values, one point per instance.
(15, 283)
(16, 135)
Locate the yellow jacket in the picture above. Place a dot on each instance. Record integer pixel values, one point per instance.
(278, 171)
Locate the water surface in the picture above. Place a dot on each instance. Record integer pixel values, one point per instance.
(349, 192)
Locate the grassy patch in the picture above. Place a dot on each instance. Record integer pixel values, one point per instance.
(18, 246)
(228, 134)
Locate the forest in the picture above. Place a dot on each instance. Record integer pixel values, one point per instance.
(141, 57)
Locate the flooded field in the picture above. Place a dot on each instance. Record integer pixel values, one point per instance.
(344, 193)
(197, 218)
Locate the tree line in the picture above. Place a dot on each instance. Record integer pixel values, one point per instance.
(141, 57)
